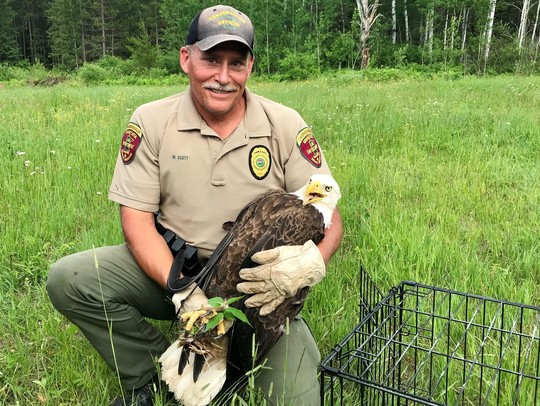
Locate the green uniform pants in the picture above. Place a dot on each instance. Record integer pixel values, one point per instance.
(110, 305)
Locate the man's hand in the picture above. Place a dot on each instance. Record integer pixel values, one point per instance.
(282, 272)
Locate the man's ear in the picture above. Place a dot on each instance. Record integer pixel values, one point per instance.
(184, 59)
(250, 63)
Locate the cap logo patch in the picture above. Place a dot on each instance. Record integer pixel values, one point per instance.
(309, 147)
(130, 142)
(259, 161)
(228, 18)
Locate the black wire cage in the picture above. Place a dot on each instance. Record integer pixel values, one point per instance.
(426, 345)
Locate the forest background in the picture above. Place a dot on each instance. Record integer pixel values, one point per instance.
(295, 39)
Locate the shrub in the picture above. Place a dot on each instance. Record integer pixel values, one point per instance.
(115, 66)
(8, 72)
(91, 73)
(170, 61)
(298, 66)
(33, 75)
(343, 52)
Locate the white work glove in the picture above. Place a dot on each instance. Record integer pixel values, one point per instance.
(190, 299)
(282, 272)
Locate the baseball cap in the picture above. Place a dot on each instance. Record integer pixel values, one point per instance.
(218, 24)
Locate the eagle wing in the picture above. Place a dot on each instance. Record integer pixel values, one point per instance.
(274, 220)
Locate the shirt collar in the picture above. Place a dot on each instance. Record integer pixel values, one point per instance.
(255, 120)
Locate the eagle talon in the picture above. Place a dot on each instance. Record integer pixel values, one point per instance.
(192, 317)
(220, 328)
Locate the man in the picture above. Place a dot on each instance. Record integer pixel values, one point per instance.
(196, 158)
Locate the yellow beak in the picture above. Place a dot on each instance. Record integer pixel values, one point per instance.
(314, 193)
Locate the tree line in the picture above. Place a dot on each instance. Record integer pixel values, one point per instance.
(302, 36)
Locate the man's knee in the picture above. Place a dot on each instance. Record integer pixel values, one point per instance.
(293, 369)
(57, 284)
(63, 281)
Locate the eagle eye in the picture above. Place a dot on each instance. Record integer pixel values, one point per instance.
(328, 188)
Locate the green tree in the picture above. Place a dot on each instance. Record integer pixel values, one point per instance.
(66, 32)
(9, 51)
(177, 16)
(31, 28)
(143, 52)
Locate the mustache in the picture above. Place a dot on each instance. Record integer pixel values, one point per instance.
(220, 88)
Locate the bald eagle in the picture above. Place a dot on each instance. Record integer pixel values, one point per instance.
(274, 219)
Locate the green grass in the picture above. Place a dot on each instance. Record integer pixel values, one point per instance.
(439, 181)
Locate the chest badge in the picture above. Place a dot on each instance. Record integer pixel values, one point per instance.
(260, 161)
(309, 147)
(130, 142)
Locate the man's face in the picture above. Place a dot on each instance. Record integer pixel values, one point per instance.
(217, 77)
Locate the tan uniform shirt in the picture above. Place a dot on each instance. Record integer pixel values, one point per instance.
(171, 161)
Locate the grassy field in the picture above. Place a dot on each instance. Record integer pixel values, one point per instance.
(439, 181)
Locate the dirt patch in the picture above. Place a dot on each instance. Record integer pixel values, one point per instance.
(48, 81)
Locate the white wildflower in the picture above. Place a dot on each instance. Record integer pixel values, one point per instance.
(19, 153)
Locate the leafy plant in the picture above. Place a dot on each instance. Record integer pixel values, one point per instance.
(210, 316)
(224, 309)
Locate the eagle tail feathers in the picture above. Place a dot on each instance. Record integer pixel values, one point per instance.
(184, 358)
(198, 364)
(210, 378)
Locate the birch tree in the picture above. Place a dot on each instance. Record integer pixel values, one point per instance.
(368, 15)
(523, 23)
(394, 22)
(464, 29)
(429, 30)
(406, 17)
(451, 23)
(535, 26)
(102, 27)
(489, 31)
(445, 32)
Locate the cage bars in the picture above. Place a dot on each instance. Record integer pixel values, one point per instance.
(421, 344)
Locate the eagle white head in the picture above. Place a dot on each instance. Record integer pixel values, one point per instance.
(322, 191)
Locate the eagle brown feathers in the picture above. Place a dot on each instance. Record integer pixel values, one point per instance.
(275, 219)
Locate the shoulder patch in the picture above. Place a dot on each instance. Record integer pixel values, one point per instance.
(130, 142)
(309, 147)
(260, 161)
